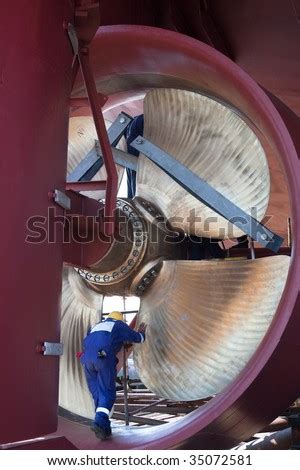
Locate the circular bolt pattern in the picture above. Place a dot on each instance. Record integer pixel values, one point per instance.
(135, 256)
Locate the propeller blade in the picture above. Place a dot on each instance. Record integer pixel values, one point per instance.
(205, 319)
(81, 308)
(214, 143)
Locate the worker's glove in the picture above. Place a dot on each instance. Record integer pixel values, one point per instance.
(142, 329)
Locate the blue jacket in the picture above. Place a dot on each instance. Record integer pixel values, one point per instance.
(108, 336)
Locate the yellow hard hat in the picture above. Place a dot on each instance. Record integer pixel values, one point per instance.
(116, 315)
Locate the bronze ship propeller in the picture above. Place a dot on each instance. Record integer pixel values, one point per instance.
(205, 317)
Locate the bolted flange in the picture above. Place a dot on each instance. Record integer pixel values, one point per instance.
(145, 277)
(136, 253)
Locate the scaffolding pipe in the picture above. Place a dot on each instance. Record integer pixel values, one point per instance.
(125, 388)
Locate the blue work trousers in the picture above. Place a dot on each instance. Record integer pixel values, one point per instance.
(101, 377)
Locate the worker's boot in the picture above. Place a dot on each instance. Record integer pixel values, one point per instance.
(101, 426)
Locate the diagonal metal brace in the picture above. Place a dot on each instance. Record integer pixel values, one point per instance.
(206, 194)
(74, 41)
(92, 163)
(96, 103)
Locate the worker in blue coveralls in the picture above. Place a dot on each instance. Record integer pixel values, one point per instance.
(99, 360)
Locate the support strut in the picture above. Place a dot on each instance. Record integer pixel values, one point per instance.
(205, 193)
(96, 101)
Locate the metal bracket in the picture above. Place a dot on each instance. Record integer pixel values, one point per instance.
(62, 199)
(51, 349)
(118, 128)
(92, 163)
(125, 159)
(205, 193)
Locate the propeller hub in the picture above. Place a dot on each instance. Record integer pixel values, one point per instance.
(142, 240)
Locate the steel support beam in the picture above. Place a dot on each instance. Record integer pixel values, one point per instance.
(77, 102)
(86, 185)
(125, 159)
(205, 193)
(96, 102)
